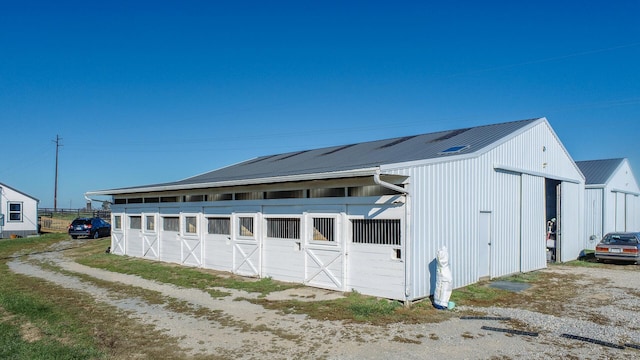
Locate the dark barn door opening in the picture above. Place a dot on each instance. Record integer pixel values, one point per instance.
(552, 215)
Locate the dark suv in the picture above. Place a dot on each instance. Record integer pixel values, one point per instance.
(89, 227)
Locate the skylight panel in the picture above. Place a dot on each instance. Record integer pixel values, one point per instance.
(453, 150)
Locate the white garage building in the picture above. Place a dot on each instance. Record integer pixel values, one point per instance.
(370, 216)
(612, 198)
(18, 213)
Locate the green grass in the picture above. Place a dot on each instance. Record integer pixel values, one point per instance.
(40, 320)
(54, 331)
(12, 247)
(93, 255)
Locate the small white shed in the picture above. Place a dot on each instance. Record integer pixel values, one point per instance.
(18, 213)
(612, 198)
(368, 217)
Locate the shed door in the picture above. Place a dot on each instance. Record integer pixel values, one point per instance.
(484, 245)
(246, 245)
(324, 252)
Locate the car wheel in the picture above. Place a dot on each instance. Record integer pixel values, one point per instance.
(96, 234)
(74, 236)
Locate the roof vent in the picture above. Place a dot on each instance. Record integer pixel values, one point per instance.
(454, 150)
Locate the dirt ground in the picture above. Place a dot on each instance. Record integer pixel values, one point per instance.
(248, 331)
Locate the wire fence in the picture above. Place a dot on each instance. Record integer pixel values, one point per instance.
(58, 220)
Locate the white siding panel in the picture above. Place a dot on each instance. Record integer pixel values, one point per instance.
(170, 247)
(572, 237)
(506, 243)
(533, 248)
(372, 271)
(218, 253)
(593, 207)
(283, 259)
(620, 212)
(633, 213)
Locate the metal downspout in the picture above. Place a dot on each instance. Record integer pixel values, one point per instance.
(406, 250)
(377, 180)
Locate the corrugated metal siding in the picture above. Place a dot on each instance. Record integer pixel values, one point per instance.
(593, 207)
(533, 249)
(447, 198)
(620, 212)
(572, 239)
(633, 202)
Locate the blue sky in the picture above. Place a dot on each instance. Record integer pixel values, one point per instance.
(150, 92)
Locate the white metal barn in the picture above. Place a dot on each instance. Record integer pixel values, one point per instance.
(18, 213)
(612, 198)
(370, 216)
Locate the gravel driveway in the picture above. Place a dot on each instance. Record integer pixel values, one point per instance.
(616, 305)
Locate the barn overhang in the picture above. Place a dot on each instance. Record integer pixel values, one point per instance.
(372, 173)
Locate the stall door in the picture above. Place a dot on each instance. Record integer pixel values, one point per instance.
(218, 250)
(133, 233)
(150, 243)
(191, 251)
(246, 245)
(324, 252)
(118, 244)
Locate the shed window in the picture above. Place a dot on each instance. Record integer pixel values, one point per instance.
(245, 226)
(134, 201)
(151, 223)
(15, 211)
(376, 231)
(165, 199)
(219, 226)
(117, 222)
(135, 222)
(171, 223)
(323, 229)
(190, 224)
(283, 228)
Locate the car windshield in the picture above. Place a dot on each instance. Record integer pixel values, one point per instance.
(81, 222)
(620, 239)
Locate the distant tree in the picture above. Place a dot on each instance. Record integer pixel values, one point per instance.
(106, 205)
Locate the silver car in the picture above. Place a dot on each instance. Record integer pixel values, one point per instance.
(622, 246)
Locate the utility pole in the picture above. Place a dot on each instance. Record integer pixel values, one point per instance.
(55, 190)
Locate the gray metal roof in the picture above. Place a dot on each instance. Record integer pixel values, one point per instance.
(598, 172)
(352, 157)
